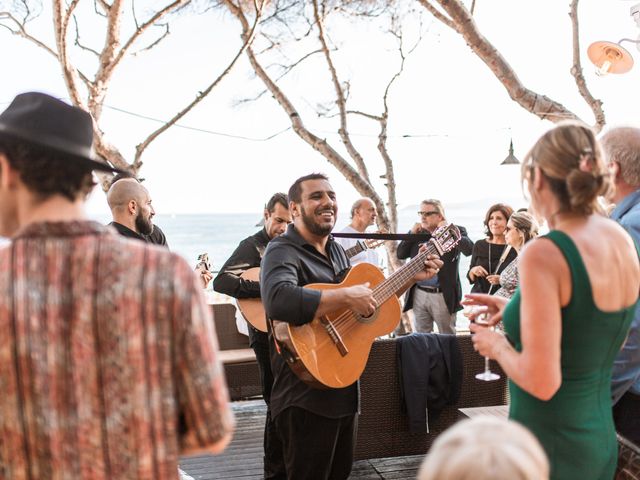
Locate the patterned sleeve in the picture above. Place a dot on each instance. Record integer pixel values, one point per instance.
(202, 387)
(509, 280)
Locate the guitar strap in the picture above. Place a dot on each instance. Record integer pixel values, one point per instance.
(417, 237)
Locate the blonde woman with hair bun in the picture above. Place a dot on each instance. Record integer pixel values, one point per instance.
(578, 290)
(485, 448)
(521, 228)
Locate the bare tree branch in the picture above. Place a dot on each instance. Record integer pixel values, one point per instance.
(133, 14)
(79, 43)
(362, 186)
(288, 68)
(21, 31)
(102, 5)
(61, 16)
(438, 14)
(375, 118)
(140, 148)
(576, 71)
(340, 97)
(540, 105)
(156, 41)
(112, 54)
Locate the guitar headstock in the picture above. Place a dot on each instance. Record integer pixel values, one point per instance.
(372, 243)
(445, 238)
(203, 263)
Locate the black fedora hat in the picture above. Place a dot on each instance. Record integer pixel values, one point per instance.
(45, 121)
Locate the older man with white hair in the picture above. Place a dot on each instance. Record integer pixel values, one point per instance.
(622, 148)
(363, 215)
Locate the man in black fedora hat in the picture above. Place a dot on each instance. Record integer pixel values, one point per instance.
(108, 363)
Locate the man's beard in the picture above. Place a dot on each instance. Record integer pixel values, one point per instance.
(313, 226)
(143, 225)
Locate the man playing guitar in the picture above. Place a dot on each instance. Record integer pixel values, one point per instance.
(316, 426)
(248, 255)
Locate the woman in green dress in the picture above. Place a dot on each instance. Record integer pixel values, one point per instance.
(578, 288)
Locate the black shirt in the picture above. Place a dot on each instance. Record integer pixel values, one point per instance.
(247, 255)
(488, 255)
(156, 238)
(127, 232)
(288, 264)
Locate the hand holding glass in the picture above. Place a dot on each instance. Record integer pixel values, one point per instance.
(487, 375)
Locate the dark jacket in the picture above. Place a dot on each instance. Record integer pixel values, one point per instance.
(448, 276)
(430, 372)
(247, 255)
(156, 238)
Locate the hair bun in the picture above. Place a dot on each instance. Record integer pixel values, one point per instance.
(584, 188)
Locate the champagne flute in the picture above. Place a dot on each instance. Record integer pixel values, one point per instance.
(487, 375)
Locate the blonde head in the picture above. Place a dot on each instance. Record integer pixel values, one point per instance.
(485, 448)
(525, 223)
(570, 159)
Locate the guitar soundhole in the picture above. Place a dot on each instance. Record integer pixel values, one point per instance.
(370, 319)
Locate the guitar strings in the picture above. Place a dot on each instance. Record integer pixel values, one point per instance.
(347, 318)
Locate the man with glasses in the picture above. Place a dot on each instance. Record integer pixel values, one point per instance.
(436, 299)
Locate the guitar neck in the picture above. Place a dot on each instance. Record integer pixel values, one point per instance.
(355, 250)
(395, 284)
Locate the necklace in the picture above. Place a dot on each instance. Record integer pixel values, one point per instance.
(489, 259)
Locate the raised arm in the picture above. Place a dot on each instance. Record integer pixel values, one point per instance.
(409, 248)
(466, 244)
(228, 280)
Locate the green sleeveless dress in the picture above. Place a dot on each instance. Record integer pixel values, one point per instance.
(575, 426)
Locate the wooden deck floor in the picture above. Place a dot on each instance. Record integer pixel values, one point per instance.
(242, 460)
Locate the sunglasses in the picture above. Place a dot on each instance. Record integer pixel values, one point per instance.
(428, 214)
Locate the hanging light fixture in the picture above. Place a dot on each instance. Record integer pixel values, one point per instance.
(511, 158)
(611, 57)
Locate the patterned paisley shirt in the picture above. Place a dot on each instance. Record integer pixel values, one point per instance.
(106, 348)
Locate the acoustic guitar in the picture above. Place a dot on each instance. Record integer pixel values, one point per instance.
(332, 350)
(252, 309)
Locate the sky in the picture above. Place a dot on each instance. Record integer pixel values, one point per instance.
(450, 119)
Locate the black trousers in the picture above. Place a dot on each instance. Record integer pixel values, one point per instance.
(316, 447)
(626, 415)
(274, 468)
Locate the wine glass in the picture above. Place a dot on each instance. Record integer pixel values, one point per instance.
(487, 375)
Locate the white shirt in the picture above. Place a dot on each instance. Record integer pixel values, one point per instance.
(368, 256)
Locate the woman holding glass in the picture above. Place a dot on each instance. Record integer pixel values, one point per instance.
(521, 228)
(568, 319)
(487, 260)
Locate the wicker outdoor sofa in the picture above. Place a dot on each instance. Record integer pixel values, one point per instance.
(240, 365)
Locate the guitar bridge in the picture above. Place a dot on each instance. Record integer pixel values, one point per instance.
(335, 337)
